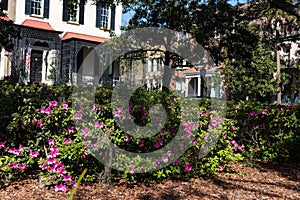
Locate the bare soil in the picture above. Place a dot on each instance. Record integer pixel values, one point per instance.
(264, 181)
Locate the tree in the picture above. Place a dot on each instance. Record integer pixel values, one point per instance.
(7, 31)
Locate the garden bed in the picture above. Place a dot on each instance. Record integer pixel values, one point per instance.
(264, 181)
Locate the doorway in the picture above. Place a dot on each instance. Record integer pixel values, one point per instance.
(36, 66)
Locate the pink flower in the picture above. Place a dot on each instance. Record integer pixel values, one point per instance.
(67, 140)
(99, 125)
(165, 159)
(118, 112)
(15, 151)
(23, 167)
(233, 142)
(61, 170)
(195, 142)
(67, 178)
(221, 168)
(131, 169)
(176, 162)
(14, 165)
(51, 141)
(39, 124)
(232, 129)
(142, 144)
(71, 129)
(85, 131)
(45, 110)
(169, 153)
(61, 188)
(188, 167)
(33, 154)
(157, 162)
(174, 99)
(96, 107)
(52, 103)
(65, 106)
(2, 144)
(21, 148)
(44, 167)
(252, 113)
(78, 116)
(169, 106)
(240, 148)
(256, 150)
(51, 161)
(130, 107)
(205, 137)
(264, 112)
(127, 138)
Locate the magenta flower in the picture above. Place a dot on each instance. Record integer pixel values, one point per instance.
(15, 151)
(51, 161)
(99, 125)
(252, 113)
(60, 188)
(53, 103)
(130, 107)
(67, 178)
(188, 167)
(233, 142)
(157, 162)
(33, 154)
(131, 169)
(52, 169)
(45, 111)
(195, 142)
(240, 148)
(176, 162)
(78, 116)
(264, 112)
(221, 168)
(96, 107)
(67, 140)
(232, 129)
(71, 129)
(39, 124)
(23, 167)
(51, 142)
(118, 112)
(127, 138)
(44, 167)
(205, 137)
(2, 144)
(165, 159)
(65, 106)
(170, 106)
(21, 148)
(142, 144)
(85, 131)
(14, 165)
(61, 170)
(174, 99)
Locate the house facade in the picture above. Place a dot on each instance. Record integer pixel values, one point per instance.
(56, 39)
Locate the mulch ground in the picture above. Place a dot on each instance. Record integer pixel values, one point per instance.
(265, 181)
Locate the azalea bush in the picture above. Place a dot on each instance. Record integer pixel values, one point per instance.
(48, 131)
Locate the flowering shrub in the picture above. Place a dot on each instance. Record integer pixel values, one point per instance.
(41, 134)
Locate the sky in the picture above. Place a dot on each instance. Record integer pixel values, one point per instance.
(126, 17)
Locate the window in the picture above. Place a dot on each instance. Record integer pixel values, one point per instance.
(103, 13)
(74, 12)
(37, 8)
(4, 4)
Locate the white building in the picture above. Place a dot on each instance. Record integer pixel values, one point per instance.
(56, 38)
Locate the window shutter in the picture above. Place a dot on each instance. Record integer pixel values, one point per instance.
(28, 7)
(46, 8)
(98, 15)
(5, 4)
(81, 12)
(65, 13)
(113, 17)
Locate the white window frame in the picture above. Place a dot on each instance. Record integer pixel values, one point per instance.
(104, 16)
(33, 8)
